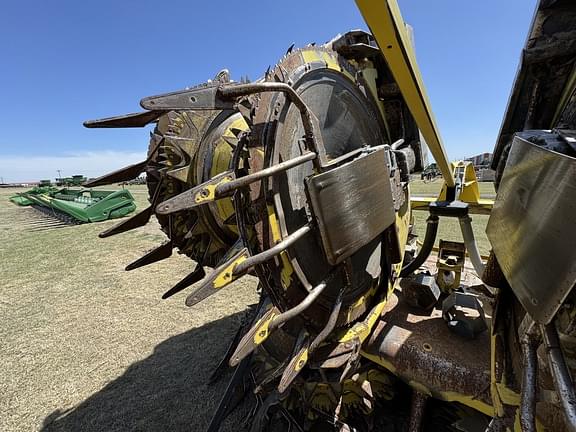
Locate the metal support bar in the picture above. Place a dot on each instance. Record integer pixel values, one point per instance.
(386, 24)
(528, 401)
(470, 243)
(226, 189)
(560, 374)
(279, 247)
(299, 308)
(224, 185)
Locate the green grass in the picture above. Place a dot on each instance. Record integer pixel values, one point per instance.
(449, 229)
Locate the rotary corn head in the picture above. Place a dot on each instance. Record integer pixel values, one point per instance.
(77, 205)
(302, 179)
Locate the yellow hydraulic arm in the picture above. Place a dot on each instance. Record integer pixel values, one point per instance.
(386, 24)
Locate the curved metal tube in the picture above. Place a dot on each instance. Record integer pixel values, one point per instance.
(226, 189)
(309, 120)
(471, 246)
(332, 319)
(427, 246)
(262, 257)
(299, 308)
(560, 374)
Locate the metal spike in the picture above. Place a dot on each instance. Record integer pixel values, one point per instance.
(260, 418)
(223, 364)
(124, 174)
(180, 173)
(136, 221)
(255, 312)
(224, 185)
(196, 276)
(198, 98)
(255, 336)
(245, 109)
(221, 276)
(196, 196)
(158, 254)
(271, 321)
(185, 145)
(297, 363)
(268, 254)
(301, 358)
(133, 120)
(235, 392)
(290, 48)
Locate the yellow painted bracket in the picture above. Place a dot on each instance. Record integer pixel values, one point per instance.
(469, 191)
(386, 24)
(483, 206)
(255, 336)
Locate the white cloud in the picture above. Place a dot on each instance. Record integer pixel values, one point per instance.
(91, 164)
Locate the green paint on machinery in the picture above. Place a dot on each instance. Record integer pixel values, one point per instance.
(83, 205)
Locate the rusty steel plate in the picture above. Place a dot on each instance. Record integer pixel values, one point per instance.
(352, 204)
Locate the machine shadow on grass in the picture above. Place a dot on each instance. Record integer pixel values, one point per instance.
(168, 390)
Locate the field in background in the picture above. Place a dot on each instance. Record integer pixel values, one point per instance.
(449, 229)
(87, 346)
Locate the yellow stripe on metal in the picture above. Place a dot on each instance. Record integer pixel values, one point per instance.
(386, 24)
(287, 268)
(331, 61)
(227, 276)
(311, 56)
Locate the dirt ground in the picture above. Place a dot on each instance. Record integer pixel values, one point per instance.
(87, 346)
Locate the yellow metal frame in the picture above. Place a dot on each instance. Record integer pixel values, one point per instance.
(386, 24)
(470, 192)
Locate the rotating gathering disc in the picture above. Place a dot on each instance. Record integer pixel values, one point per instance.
(196, 147)
(348, 122)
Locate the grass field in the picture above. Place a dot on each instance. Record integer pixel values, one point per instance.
(449, 229)
(87, 346)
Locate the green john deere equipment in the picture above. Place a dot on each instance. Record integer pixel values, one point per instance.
(77, 205)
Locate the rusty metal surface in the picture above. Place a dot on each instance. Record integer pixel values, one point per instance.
(352, 204)
(532, 228)
(421, 349)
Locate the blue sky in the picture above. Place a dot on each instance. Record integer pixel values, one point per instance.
(63, 62)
